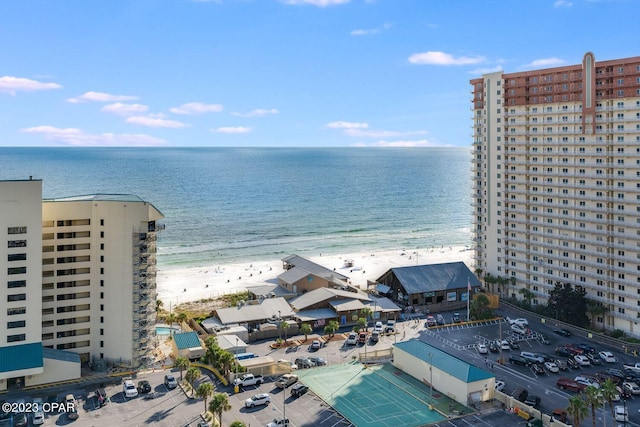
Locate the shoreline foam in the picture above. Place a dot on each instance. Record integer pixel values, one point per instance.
(179, 286)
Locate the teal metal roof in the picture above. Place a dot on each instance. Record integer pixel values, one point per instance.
(23, 356)
(443, 361)
(186, 340)
(66, 356)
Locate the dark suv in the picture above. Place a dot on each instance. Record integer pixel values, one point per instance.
(517, 360)
(298, 390)
(533, 401)
(144, 387)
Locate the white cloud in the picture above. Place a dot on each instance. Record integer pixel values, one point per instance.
(77, 137)
(546, 62)
(259, 112)
(371, 31)
(346, 125)
(12, 85)
(196, 108)
(401, 143)
(562, 3)
(229, 129)
(379, 133)
(441, 58)
(100, 97)
(121, 109)
(319, 3)
(155, 122)
(480, 71)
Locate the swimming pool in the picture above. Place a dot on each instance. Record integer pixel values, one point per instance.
(166, 330)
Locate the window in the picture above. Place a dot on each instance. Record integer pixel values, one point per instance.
(16, 324)
(14, 338)
(17, 230)
(16, 310)
(16, 297)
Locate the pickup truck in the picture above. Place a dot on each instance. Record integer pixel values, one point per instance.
(248, 379)
(286, 380)
(633, 367)
(568, 384)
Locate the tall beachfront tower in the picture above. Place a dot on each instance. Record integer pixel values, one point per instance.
(556, 182)
(21, 281)
(98, 277)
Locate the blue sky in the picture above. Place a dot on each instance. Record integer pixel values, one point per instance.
(278, 72)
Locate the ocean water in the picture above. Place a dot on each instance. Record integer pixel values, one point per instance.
(224, 205)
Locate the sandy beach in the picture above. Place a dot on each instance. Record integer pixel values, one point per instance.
(193, 284)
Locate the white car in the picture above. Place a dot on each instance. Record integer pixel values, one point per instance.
(129, 389)
(38, 414)
(587, 381)
(608, 357)
(500, 385)
(582, 360)
(315, 345)
(504, 345)
(378, 327)
(552, 367)
(622, 414)
(352, 339)
(288, 362)
(482, 349)
(521, 321)
(257, 400)
(631, 387)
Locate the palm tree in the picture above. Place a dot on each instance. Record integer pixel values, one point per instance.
(170, 319)
(225, 360)
(595, 309)
(593, 398)
(306, 330)
(159, 305)
(331, 328)
(367, 313)
(284, 325)
(205, 390)
(191, 376)
(181, 363)
(182, 317)
(218, 404)
(609, 391)
(577, 409)
(527, 295)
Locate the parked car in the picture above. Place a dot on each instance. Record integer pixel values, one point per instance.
(537, 369)
(440, 319)
(552, 367)
(520, 330)
(129, 389)
(504, 345)
(375, 337)
(594, 359)
(378, 327)
(38, 411)
(482, 348)
(513, 344)
(144, 387)
(608, 357)
(562, 332)
(531, 357)
(279, 422)
(500, 385)
(582, 360)
(562, 351)
(586, 347)
(257, 400)
(304, 362)
(456, 317)
(572, 363)
(569, 384)
(170, 382)
(494, 347)
(315, 345)
(318, 361)
(519, 321)
(431, 321)
(544, 340)
(631, 387)
(286, 380)
(621, 414)
(517, 360)
(587, 380)
(520, 394)
(299, 389)
(352, 338)
(362, 338)
(562, 364)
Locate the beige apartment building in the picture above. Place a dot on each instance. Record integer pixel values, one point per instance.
(556, 182)
(86, 279)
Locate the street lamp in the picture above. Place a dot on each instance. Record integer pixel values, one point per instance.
(284, 393)
(624, 415)
(430, 381)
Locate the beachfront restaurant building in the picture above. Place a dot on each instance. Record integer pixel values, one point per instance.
(453, 377)
(322, 305)
(302, 276)
(437, 287)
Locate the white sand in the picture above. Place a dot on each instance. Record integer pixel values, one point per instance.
(192, 284)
